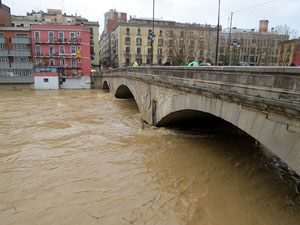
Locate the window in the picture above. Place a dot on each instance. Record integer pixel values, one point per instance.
(61, 36)
(1, 35)
(127, 31)
(73, 62)
(62, 62)
(149, 50)
(73, 50)
(78, 33)
(78, 47)
(139, 41)
(55, 20)
(159, 51)
(61, 49)
(52, 62)
(51, 50)
(3, 47)
(139, 32)
(170, 42)
(79, 60)
(182, 34)
(160, 33)
(37, 36)
(181, 43)
(46, 80)
(127, 49)
(192, 43)
(38, 50)
(72, 36)
(127, 40)
(22, 35)
(160, 42)
(138, 50)
(38, 62)
(149, 32)
(51, 36)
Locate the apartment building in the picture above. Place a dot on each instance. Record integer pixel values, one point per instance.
(289, 53)
(5, 17)
(123, 42)
(15, 52)
(247, 45)
(61, 54)
(56, 17)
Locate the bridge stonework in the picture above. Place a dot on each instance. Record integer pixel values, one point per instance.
(263, 102)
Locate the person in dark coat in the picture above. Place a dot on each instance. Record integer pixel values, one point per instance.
(168, 63)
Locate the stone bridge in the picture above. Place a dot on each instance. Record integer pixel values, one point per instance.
(264, 102)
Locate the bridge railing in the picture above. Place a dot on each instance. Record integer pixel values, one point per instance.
(274, 86)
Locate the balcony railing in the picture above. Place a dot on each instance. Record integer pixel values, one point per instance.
(57, 54)
(58, 41)
(18, 40)
(2, 40)
(20, 53)
(22, 65)
(4, 53)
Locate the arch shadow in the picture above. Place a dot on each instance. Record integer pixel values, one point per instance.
(105, 86)
(123, 92)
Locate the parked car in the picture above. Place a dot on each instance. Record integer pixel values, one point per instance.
(204, 64)
(242, 64)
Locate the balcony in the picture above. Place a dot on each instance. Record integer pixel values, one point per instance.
(4, 53)
(58, 41)
(56, 54)
(20, 53)
(159, 56)
(127, 54)
(22, 65)
(4, 65)
(24, 41)
(45, 70)
(2, 40)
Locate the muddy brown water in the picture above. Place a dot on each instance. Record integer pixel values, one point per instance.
(79, 157)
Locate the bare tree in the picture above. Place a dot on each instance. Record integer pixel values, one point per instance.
(286, 30)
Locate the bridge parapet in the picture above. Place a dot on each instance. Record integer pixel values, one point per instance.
(271, 89)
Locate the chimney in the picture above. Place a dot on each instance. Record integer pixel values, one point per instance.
(263, 26)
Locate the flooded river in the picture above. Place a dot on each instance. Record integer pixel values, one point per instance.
(78, 157)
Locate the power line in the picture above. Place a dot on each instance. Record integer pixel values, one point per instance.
(251, 7)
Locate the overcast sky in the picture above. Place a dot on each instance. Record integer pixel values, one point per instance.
(247, 13)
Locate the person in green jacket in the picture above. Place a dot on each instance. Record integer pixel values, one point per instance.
(135, 64)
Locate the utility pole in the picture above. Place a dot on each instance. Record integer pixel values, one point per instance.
(217, 47)
(229, 40)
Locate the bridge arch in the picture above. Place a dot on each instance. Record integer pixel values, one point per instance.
(105, 85)
(123, 92)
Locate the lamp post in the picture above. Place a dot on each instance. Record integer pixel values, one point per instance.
(217, 46)
(152, 35)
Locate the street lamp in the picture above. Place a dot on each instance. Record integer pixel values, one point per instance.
(217, 47)
(152, 35)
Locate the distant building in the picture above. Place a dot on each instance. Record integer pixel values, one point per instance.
(289, 52)
(15, 52)
(124, 42)
(56, 17)
(61, 55)
(5, 17)
(255, 48)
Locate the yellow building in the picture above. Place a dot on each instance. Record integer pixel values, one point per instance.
(289, 52)
(181, 43)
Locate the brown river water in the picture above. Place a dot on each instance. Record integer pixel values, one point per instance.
(80, 157)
